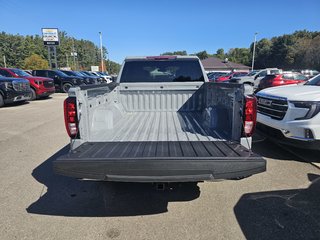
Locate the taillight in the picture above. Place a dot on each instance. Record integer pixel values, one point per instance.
(250, 115)
(70, 116)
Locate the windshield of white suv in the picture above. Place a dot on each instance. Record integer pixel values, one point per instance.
(314, 81)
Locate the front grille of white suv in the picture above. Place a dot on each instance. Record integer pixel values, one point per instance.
(274, 107)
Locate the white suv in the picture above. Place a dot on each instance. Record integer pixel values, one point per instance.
(290, 114)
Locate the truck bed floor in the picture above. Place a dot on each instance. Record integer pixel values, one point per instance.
(158, 126)
(197, 149)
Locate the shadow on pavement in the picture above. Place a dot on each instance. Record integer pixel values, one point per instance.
(267, 148)
(44, 98)
(15, 104)
(71, 197)
(287, 214)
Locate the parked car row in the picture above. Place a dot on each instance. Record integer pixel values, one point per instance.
(263, 78)
(254, 77)
(104, 75)
(230, 76)
(212, 76)
(309, 73)
(39, 86)
(286, 78)
(19, 85)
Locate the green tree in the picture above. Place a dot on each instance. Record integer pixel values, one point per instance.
(312, 55)
(112, 67)
(181, 53)
(35, 62)
(262, 54)
(220, 53)
(239, 55)
(297, 50)
(202, 55)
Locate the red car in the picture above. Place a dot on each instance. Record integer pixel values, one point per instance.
(230, 75)
(40, 86)
(275, 80)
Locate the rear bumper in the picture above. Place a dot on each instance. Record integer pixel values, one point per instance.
(159, 170)
(159, 161)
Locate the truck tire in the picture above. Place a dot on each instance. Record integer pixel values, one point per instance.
(1, 101)
(33, 95)
(66, 87)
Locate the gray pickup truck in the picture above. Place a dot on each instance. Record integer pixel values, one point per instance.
(162, 121)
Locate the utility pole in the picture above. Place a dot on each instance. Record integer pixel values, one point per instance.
(254, 50)
(49, 57)
(101, 52)
(4, 61)
(108, 62)
(67, 60)
(73, 54)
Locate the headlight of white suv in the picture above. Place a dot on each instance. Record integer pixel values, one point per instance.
(314, 108)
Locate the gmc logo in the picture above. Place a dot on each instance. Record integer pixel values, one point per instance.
(265, 102)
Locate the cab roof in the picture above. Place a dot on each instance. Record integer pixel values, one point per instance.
(164, 57)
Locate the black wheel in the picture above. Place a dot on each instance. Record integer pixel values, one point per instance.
(66, 87)
(33, 95)
(1, 101)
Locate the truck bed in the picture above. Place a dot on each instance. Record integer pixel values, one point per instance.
(159, 126)
(159, 132)
(160, 161)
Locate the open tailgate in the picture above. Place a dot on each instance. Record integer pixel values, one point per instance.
(159, 161)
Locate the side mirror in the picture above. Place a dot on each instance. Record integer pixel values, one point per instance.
(230, 77)
(255, 78)
(56, 76)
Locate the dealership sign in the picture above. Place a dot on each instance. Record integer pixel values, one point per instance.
(50, 36)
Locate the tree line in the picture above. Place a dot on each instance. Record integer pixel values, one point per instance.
(300, 50)
(290, 51)
(21, 51)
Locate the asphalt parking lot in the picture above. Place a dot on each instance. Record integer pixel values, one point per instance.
(282, 203)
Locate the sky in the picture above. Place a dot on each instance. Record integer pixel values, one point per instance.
(148, 27)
